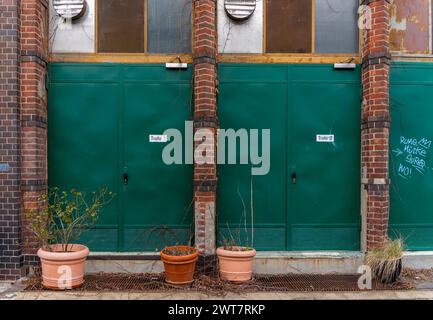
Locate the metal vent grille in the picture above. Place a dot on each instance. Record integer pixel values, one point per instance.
(214, 285)
(69, 9)
(240, 9)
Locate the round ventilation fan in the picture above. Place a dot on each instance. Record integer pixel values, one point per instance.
(239, 9)
(70, 9)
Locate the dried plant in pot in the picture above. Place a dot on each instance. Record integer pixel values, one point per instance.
(64, 216)
(386, 261)
(235, 260)
(179, 264)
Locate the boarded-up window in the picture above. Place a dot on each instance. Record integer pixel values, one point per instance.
(336, 29)
(169, 26)
(288, 26)
(121, 26)
(410, 31)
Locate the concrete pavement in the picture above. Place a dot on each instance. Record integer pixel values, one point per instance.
(365, 295)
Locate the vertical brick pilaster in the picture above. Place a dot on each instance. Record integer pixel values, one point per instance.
(205, 118)
(375, 125)
(34, 57)
(10, 238)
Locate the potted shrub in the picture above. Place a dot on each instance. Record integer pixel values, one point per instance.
(65, 215)
(179, 264)
(386, 261)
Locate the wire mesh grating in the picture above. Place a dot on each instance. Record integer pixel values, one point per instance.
(277, 283)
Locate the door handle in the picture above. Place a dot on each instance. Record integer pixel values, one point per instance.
(125, 179)
(294, 177)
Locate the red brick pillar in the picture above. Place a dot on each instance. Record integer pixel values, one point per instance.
(34, 58)
(375, 125)
(205, 118)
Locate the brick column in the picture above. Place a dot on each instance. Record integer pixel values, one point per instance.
(34, 57)
(375, 126)
(205, 117)
(10, 250)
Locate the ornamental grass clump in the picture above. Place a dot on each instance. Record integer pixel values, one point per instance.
(386, 261)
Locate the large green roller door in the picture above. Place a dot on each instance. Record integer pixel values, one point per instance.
(100, 119)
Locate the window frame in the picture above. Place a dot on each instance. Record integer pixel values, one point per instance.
(311, 57)
(145, 37)
(313, 34)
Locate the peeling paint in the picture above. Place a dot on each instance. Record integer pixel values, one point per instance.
(410, 31)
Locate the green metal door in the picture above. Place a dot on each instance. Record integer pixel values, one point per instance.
(100, 119)
(324, 144)
(309, 200)
(411, 156)
(254, 97)
(157, 196)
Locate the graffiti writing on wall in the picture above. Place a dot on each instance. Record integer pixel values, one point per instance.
(411, 155)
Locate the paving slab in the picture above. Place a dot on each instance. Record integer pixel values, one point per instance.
(365, 295)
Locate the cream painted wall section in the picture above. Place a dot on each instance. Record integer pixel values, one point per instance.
(73, 37)
(240, 37)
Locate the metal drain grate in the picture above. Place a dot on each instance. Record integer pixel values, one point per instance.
(281, 283)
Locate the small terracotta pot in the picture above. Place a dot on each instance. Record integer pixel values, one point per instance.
(237, 264)
(179, 269)
(63, 270)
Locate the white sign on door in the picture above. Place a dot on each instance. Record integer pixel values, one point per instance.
(329, 138)
(158, 138)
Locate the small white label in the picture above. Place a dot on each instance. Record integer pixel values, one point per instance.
(158, 138)
(325, 138)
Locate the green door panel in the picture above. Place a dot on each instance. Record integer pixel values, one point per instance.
(297, 102)
(411, 154)
(149, 220)
(254, 106)
(325, 200)
(100, 118)
(83, 148)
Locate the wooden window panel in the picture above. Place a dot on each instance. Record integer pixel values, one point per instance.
(288, 26)
(121, 26)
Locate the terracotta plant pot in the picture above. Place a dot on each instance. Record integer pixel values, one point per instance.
(63, 270)
(236, 264)
(179, 269)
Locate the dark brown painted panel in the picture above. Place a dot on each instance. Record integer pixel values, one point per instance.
(121, 26)
(288, 26)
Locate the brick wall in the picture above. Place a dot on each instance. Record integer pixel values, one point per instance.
(34, 57)
(23, 142)
(375, 125)
(10, 250)
(205, 118)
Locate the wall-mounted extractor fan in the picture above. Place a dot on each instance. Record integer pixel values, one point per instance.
(70, 9)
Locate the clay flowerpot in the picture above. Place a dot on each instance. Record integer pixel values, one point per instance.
(63, 270)
(236, 263)
(179, 264)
